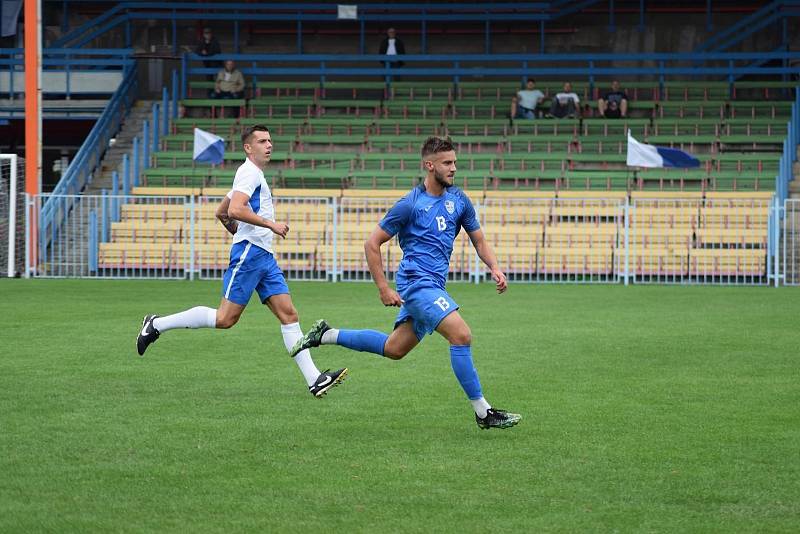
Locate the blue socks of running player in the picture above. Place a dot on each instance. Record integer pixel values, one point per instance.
(363, 340)
(461, 361)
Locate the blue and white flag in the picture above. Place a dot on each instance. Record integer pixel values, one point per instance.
(208, 147)
(642, 155)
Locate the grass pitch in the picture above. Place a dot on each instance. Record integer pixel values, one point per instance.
(644, 409)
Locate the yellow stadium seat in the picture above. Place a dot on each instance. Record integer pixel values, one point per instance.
(727, 262)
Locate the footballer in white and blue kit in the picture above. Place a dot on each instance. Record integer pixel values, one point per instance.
(248, 213)
(426, 222)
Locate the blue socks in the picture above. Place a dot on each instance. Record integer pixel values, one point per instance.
(363, 340)
(461, 361)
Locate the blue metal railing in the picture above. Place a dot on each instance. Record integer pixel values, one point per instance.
(79, 172)
(573, 67)
(757, 21)
(126, 12)
(786, 166)
(65, 60)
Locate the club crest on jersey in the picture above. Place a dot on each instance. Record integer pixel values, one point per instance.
(449, 206)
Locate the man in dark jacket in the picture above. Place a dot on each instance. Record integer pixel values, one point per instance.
(209, 46)
(392, 46)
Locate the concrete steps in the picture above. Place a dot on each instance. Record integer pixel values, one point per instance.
(123, 144)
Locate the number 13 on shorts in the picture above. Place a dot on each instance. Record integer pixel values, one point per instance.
(442, 303)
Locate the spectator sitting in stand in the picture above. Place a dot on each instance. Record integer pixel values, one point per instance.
(229, 83)
(565, 103)
(525, 104)
(614, 104)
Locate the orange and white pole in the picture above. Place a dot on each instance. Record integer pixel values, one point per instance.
(33, 118)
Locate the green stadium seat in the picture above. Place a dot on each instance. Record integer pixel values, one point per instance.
(313, 178)
(405, 109)
(354, 90)
(386, 179)
(395, 161)
(543, 161)
(602, 144)
(312, 142)
(215, 105)
(496, 126)
(695, 91)
(760, 109)
(691, 109)
(577, 179)
(199, 176)
(282, 108)
(287, 89)
(394, 143)
(421, 90)
(690, 127)
(325, 160)
(750, 126)
(356, 108)
(217, 125)
(525, 179)
(338, 126)
(494, 90)
(764, 89)
(546, 127)
(278, 126)
(599, 126)
(415, 126)
(479, 109)
(541, 143)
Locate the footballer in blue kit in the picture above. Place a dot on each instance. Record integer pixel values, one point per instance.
(426, 222)
(247, 212)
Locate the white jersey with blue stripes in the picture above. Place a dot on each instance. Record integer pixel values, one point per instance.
(250, 181)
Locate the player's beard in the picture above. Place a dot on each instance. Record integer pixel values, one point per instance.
(441, 179)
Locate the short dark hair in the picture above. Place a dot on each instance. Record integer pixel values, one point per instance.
(248, 133)
(531, 80)
(433, 144)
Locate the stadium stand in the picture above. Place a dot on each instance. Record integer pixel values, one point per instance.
(567, 179)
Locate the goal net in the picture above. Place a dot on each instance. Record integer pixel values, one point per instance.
(12, 215)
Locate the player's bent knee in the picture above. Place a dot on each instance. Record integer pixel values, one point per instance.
(462, 337)
(226, 321)
(289, 318)
(394, 355)
(395, 352)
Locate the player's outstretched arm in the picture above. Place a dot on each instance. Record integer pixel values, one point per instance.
(240, 210)
(372, 248)
(485, 252)
(222, 215)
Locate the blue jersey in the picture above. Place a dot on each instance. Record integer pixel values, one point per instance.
(427, 226)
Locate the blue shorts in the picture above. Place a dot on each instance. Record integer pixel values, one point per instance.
(252, 268)
(426, 304)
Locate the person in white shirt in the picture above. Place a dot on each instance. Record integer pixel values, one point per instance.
(252, 266)
(392, 46)
(525, 104)
(565, 103)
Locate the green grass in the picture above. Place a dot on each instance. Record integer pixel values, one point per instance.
(655, 409)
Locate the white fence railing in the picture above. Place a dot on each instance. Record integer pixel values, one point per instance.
(790, 250)
(719, 240)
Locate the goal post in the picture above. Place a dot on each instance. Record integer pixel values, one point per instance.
(12, 187)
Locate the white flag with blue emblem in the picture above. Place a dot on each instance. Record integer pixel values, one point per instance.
(208, 147)
(643, 155)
